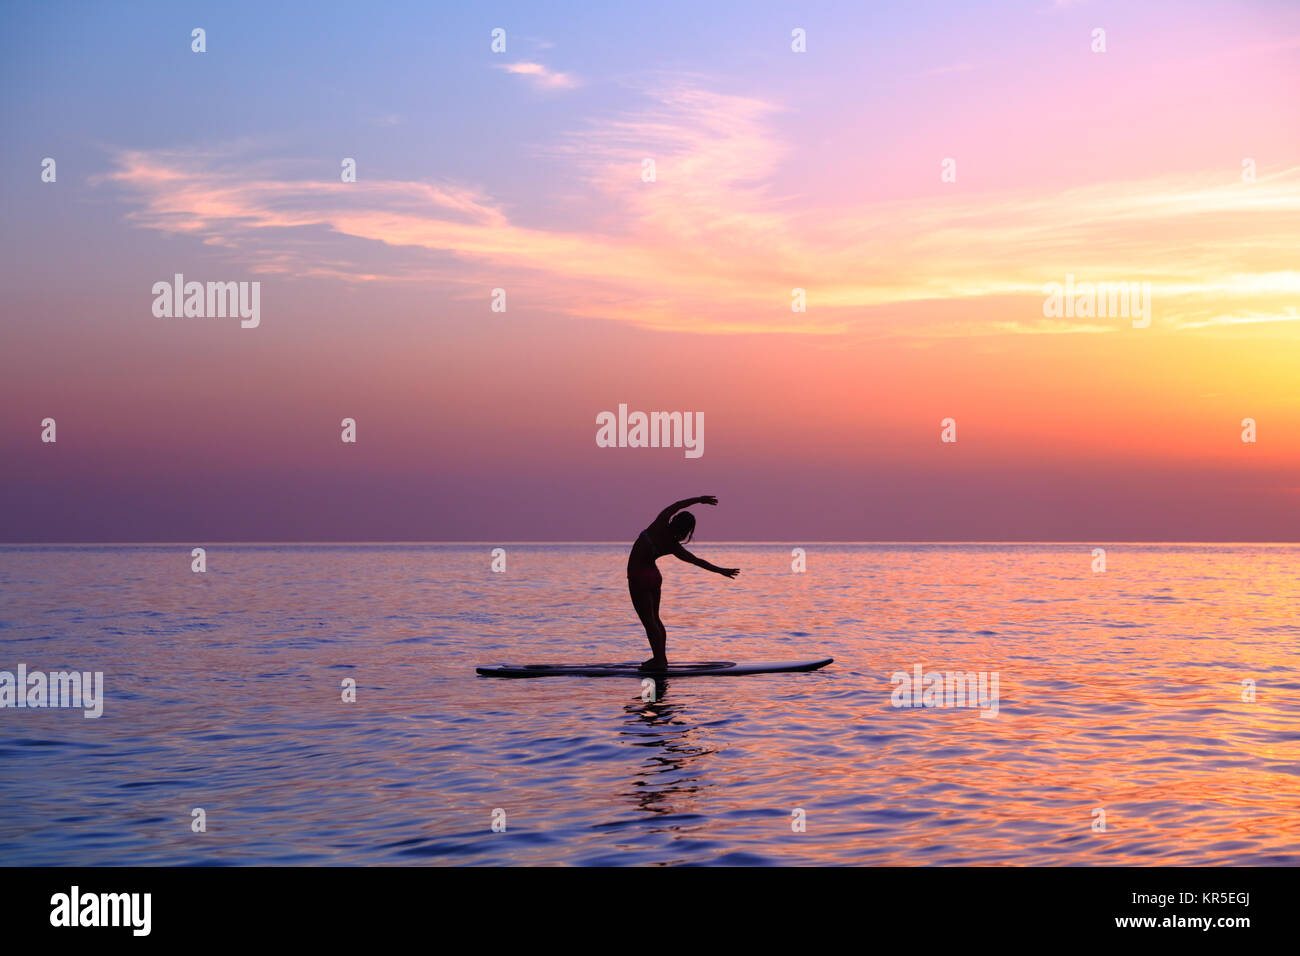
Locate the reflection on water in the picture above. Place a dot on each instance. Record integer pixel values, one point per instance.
(1120, 693)
(664, 780)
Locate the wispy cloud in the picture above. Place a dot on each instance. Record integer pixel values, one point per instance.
(1288, 314)
(541, 76)
(711, 246)
(538, 43)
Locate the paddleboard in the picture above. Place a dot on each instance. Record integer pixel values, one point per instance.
(686, 669)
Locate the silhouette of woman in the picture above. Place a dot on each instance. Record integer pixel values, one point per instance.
(664, 536)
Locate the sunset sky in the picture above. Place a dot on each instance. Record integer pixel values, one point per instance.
(774, 170)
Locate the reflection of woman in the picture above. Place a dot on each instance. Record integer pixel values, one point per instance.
(664, 536)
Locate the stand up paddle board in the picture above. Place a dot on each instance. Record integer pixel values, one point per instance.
(689, 669)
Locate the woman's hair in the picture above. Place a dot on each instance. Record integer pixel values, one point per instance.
(682, 526)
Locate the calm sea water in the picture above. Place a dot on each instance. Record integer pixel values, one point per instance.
(1119, 691)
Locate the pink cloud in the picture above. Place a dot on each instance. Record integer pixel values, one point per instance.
(541, 75)
(711, 246)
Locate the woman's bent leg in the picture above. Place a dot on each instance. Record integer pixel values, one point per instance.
(645, 599)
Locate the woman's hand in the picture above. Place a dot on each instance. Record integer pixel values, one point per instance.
(707, 499)
(729, 572)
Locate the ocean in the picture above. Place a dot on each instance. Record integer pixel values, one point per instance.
(1144, 714)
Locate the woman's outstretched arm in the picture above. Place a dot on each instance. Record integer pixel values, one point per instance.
(677, 506)
(681, 553)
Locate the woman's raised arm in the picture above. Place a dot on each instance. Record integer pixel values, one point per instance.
(677, 506)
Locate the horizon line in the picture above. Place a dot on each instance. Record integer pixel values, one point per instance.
(621, 543)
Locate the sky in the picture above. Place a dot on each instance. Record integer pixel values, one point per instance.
(923, 172)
